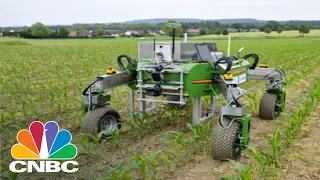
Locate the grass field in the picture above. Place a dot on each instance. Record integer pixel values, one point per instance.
(314, 33)
(273, 34)
(43, 80)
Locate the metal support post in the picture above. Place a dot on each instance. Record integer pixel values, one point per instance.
(131, 100)
(196, 110)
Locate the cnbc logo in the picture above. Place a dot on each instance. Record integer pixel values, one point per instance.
(40, 148)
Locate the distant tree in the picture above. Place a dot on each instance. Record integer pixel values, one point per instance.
(39, 30)
(100, 32)
(210, 31)
(307, 30)
(261, 28)
(303, 29)
(63, 32)
(26, 33)
(237, 26)
(273, 25)
(168, 30)
(145, 32)
(217, 31)
(279, 30)
(203, 32)
(286, 28)
(267, 30)
(225, 32)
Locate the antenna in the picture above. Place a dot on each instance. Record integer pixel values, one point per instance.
(229, 43)
(185, 37)
(154, 50)
(173, 26)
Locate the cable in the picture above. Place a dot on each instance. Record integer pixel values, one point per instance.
(86, 89)
(227, 60)
(120, 64)
(255, 57)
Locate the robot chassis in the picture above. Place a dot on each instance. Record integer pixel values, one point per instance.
(195, 71)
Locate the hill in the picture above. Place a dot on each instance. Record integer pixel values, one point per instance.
(222, 21)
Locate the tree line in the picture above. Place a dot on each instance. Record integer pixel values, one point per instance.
(39, 30)
(289, 25)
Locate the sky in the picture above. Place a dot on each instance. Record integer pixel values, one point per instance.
(65, 12)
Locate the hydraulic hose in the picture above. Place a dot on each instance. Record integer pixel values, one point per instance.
(120, 64)
(227, 60)
(234, 100)
(86, 89)
(255, 57)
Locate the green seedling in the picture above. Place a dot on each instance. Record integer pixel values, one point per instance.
(165, 159)
(275, 143)
(120, 172)
(140, 162)
(152, 160)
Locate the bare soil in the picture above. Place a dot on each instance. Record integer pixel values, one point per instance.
(303, 157)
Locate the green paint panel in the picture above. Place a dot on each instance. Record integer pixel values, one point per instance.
(245, 129)
(193, 72)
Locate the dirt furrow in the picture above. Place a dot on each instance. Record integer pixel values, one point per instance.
(302, 160)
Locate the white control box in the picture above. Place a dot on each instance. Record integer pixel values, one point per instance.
(166, 51)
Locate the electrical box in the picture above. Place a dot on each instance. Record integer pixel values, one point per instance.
(164, 51)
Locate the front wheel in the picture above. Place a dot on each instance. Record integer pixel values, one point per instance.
(269, 107)
(225, 141)
(101, 119)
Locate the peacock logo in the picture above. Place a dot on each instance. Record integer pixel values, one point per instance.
(43, 142)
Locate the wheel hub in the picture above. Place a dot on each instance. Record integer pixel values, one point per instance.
(108, 123)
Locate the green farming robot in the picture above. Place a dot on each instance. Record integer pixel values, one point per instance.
(178, 72)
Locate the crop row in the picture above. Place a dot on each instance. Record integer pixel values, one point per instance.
(268, 161)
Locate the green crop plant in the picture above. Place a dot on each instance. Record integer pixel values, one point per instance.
(86, 142)
(91, 174)
(140, 162)
(44, 81)
(152, 160)
(275, 143)
(254, 102)
(131, 124)
(141, 123)
(194, 138)
(120, 172)
(243, 171)
(262, 158)
(165, 159)
(5, 170)
(174, 144)
(199, 132)
(176, 141)
(116, 136)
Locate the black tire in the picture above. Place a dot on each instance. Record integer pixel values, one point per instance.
(225, 141)
(177, 98)
(268, 108)
(97, 120)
